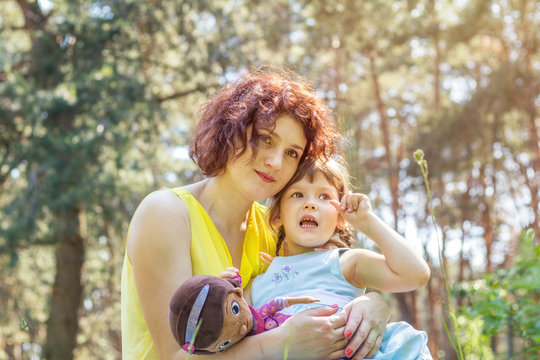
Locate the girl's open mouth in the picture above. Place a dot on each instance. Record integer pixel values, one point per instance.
(308, 222)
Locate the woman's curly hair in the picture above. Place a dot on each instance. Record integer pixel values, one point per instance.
(254, 103)
(335, 172)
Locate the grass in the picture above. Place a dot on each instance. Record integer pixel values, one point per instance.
(194, 336)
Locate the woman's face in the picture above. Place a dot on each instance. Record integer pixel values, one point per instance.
(275, 163)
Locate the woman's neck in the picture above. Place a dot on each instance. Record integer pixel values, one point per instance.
(223, 203)
(227, 207)
(228, 210)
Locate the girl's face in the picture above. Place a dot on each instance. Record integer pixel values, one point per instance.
(308, 217)
(275, 163)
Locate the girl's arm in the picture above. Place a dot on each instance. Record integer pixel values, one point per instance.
(400, 267)
(159, 247)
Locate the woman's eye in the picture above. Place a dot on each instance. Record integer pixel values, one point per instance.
(225, 344)
(292, 154)
(266, 139)
(235, 307)
(296, 195)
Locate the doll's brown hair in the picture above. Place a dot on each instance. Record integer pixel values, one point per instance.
(254, 102)
(335, 171)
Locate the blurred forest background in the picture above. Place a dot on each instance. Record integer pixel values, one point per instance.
(98, 100)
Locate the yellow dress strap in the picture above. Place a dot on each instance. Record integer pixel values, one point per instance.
(209, 253)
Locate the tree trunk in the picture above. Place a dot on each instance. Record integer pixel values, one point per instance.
(406, 301)
(393, 175)
(63, 323)
(436, 66)
(530, 47)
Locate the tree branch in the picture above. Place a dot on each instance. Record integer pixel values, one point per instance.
(17, 66)
(180, 94)
(33, 17)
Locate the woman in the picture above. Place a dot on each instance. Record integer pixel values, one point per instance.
(249, 141)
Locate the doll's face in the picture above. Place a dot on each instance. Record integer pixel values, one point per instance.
(237, 322)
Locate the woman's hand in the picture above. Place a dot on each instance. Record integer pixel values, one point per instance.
(314, 334)
(366, 318)
(230, 273)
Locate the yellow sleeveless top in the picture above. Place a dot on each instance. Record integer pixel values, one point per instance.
(209, 256)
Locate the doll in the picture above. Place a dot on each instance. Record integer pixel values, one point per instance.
(224, 314)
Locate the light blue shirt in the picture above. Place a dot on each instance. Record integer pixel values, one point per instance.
(316, 273)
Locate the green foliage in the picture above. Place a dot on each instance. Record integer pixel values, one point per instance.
(507, 300)
(476, 344)
(24, 325)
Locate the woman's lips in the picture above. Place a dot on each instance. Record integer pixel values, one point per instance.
(265, 177)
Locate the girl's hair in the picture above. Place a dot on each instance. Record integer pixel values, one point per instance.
(335, 172)
(255, 101)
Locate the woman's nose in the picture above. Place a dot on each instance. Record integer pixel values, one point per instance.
(273, 160)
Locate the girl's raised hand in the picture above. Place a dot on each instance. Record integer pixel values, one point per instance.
(354, 208)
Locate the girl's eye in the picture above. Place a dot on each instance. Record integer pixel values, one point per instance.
(235, 307)
(292, 154)
(296, 195)
(324, 197)
(225, 344)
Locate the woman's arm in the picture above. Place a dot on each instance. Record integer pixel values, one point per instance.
(159, 247)
(159, 250)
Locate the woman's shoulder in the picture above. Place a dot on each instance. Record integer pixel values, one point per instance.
(159, 221)
(163, 202)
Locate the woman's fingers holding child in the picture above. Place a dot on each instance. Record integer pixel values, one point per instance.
(229, 273)
(320, 339)
(266, 258)
(368, 349)
(374, 348)
(366, 321)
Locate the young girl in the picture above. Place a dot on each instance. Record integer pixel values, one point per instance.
(315, 210)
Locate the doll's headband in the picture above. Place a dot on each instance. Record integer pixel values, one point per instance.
(193, 319)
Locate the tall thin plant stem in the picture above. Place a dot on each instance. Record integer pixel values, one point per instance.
(454, 340)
